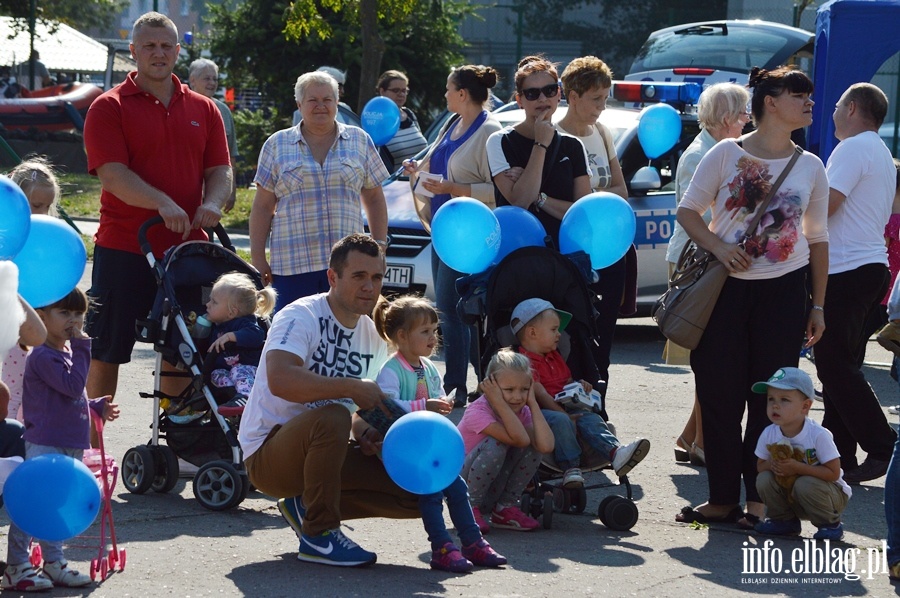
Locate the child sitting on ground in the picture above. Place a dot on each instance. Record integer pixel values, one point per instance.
(233, 307)
(410, 324)
(537, 326)
(504, 434)
(57, 422)
(819, 492)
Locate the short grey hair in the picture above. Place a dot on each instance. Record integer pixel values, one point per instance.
(201, 64)
(314, 78)
(721, 103)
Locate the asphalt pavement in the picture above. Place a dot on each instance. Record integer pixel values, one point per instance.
(175, 547)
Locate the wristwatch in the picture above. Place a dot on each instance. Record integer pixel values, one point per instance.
(541, 200)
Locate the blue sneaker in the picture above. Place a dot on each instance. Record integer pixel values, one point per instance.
(830, 532)
(293, 511)
(333, 548)
(778, 527)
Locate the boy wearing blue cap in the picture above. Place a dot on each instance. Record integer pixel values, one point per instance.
(801, 478)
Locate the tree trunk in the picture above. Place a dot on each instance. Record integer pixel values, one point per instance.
(372, 51)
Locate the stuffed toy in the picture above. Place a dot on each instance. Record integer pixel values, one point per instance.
(784, 450)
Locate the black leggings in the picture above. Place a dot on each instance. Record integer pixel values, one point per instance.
(756, 327)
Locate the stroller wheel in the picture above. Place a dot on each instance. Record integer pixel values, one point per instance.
(166, 476)
(95, 567)
(601, 510)
(620, 514)
(218, 486)
(246, 486)
(122, 560)
(525, 503)
(561, 500)
(104, 569)
(548, 510)
(578, 500)
(138, 469)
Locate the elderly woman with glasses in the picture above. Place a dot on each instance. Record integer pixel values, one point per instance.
(533, 165)
(316, 174)
(408, 141)
(722, 114)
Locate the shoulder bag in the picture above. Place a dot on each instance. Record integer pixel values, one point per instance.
(684, 309)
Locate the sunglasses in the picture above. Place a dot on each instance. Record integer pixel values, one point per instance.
(533, 93)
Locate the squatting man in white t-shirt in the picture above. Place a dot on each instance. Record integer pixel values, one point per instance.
(319, 364)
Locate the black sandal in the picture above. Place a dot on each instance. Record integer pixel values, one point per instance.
(689, 515)
(752, 520)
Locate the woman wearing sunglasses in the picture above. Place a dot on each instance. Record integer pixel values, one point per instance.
(408, 140)
(533, 165)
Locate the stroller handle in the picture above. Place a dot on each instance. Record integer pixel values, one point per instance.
(219, 230)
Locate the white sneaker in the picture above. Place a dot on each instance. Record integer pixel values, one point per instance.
(24, 578)
(64, 576)
(627, 457)
(573, 478)
(894, 409)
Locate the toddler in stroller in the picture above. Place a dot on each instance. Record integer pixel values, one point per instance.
(189, 421)
(537, 326)
(562, 282)
(234, 308)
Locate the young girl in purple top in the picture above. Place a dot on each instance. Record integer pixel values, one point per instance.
(55, 407)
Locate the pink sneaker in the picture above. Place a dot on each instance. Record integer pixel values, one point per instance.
(449, 558)
(483, 525)
(513, 518)
(481, 554)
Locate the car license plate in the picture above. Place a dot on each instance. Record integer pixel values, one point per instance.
(398, 276)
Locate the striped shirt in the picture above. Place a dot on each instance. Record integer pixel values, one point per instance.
(316, 206)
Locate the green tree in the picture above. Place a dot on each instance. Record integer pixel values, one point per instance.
(75, 13)
(251, 44)
(252, 49)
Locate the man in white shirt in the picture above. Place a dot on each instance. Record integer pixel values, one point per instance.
(861, 177)
(319, 364)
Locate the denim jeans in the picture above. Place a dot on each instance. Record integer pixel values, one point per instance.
(431, 506)
(456, 337)
(590, 427)
(892, 501)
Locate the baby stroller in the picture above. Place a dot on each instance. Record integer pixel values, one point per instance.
(488, 301)
(189, 423)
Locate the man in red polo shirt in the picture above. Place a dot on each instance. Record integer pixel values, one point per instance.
(159, 149)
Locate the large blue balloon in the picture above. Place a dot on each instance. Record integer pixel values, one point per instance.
(602, 225)
(15, 219)
(466, 235)
(380, 118)
(51, 263)
(52, 497)
(423, 452)
(659, 129)
(518, 228)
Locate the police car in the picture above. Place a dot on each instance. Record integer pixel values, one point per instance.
(720, 51)
(651, 194)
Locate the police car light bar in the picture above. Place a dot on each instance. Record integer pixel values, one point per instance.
(647, 92)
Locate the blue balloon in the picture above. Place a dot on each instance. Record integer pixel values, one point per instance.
(51, 263)
(518, 228)
(659, 129)
(466, 235)
(15, 219)
(52, 497)
(380, 118)
(423, 452)
(602, 225)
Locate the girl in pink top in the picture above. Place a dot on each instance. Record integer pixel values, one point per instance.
(504, 435)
